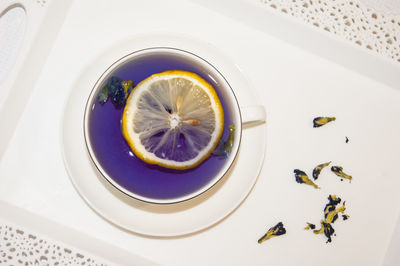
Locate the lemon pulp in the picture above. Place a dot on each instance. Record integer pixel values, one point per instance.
(173, 119)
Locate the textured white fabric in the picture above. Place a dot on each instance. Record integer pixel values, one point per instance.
(385, 6)
(24, 247)
(360, 21)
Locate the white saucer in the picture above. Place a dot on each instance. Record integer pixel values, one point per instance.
(152, 219)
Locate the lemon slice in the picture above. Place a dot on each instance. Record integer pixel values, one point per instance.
(173, 119)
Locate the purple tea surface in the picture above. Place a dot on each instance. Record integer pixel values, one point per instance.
(115, 155)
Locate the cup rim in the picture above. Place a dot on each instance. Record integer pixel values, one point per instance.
(216, 179)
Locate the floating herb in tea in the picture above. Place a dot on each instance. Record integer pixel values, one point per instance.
(302, 178)
(277, 230)
(102, 97)
(128, 87)
(224, 148)
(116, 89)
(317, 170)
(320, 121)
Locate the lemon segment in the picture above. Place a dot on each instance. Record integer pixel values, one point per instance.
(173, 119)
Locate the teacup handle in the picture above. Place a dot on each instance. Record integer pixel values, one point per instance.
(253, 114)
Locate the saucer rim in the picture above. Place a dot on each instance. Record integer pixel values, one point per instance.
(137, 216)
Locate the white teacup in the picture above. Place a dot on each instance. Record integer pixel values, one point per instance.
(152, 183)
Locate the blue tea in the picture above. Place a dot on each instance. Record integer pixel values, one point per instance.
(114, 154)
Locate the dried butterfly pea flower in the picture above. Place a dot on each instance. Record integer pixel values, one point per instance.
(277, 230)
(116, 89)
(102, 97)
(330, 216)
(302, 178)
(320, 121)
(327, 229)
(128, 87)
(317, 170)
(309, 226)
(334, 200)
(224, 148)
(338, 170)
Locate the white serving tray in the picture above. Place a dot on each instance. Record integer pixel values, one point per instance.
(296, 83)
(42, 22)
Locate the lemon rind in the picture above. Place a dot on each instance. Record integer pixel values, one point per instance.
(128, 117)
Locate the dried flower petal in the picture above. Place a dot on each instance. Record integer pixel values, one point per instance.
(320, 121)
(277, 230)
